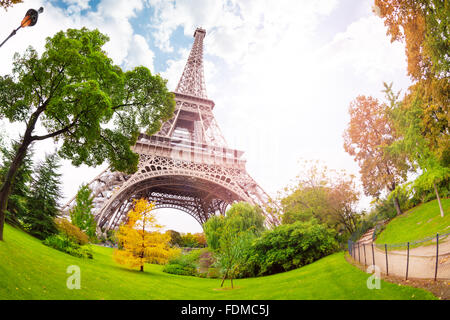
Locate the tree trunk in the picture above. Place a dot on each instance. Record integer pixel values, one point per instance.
(397, 206)
(142, 268)
(438, 199)
(231, 282)
(5, 191)
(223, 280)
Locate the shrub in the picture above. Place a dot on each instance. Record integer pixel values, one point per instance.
(71, 231)
(213, 273)
(188, 262)
(63, 243)
(287, 247)
(179, 269)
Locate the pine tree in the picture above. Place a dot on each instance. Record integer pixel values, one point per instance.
(17, 205)
(81, 215)
(44, 196)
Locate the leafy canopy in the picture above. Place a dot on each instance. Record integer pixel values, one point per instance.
(83, 100)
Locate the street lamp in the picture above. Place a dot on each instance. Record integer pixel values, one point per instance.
(29, 20)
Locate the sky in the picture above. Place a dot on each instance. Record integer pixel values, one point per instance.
(281, 73)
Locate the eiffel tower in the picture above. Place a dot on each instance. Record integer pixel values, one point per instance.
(187, 165)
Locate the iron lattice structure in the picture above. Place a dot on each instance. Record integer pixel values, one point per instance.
(186, 165)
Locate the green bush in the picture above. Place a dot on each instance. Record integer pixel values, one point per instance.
(185, 263)
(179, 269)
(287, 247)
(63, 243)
(213, 273)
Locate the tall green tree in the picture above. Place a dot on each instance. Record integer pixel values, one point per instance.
(20, 191)
(84, 101)
(81, 214)
(241, 217)
(407, 117)
(45, 193)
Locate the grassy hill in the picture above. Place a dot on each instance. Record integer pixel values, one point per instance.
(30, 270)
(418, 223)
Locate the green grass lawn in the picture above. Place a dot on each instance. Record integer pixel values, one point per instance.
(418, 223)
(30, 270)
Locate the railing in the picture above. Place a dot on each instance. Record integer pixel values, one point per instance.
(428, 258)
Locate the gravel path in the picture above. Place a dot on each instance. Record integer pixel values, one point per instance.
(422, 260)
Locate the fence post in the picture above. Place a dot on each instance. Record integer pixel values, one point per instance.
(373, 255)
(387, 267)
(437, 256)
(359, 253)
(407, 262)
(364, 247)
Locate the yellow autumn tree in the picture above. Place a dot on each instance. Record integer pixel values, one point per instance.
(140, 240)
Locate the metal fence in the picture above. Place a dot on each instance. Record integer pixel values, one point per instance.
(428, 258)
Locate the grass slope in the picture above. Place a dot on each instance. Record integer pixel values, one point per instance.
(30, 270)
(420, 222)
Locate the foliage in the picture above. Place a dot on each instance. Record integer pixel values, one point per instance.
(424, 28)
(45, 192)
(213, 231)
(85, 102)
(241, 217)
(287, 247)
(81, 215)
(20, 192)
(200, 238)
(330, 197)
(196, 240)
(179, 269)
(139, 246)
(184, 263)
(65, 244)
(407, 116)
(175, 238)
(8, 3)
(368, 136)
(71, 231)
(231, 254)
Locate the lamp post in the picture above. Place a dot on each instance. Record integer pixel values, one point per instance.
(29, 20)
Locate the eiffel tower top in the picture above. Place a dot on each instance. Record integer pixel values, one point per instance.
(192, 81)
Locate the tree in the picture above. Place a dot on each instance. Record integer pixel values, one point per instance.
(45, 192)
(91, 106)
(241, 217)
(368, 137)
(246, 217)
(323, 194)
(81, 215)
(423, 25)
(175, 238)
(20, 191)
(139, 246)
(407, 117)
(231, 252)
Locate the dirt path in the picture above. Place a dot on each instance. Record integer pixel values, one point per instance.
(422, 260)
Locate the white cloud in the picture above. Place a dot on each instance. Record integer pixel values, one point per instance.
(139, 54)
